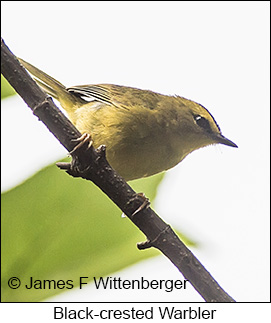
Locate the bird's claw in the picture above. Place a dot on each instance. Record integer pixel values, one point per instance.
(144, 205)
(86, 137)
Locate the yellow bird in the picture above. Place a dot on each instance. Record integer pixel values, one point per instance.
(145, 132)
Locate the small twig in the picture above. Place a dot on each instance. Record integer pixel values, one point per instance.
(148, 244)
(91, 164)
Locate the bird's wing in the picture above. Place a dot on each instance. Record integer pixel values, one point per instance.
(117, 95)
(92, 92)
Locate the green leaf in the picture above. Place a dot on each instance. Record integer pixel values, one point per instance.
(6, 88)
(56, 227)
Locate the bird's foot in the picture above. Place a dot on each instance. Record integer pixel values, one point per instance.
(146, 203)
(85, 138)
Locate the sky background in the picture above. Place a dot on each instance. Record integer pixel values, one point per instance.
(215, 53)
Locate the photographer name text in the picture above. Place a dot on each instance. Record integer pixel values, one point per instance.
(113, 283)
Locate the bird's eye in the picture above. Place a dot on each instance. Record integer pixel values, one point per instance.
(203, 123)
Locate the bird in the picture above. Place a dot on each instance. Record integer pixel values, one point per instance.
(144, 132)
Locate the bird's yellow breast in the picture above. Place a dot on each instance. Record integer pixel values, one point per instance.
(140, 142)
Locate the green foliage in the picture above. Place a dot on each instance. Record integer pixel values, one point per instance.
(6, 88)
(58, 227)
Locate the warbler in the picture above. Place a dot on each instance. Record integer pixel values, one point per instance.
(145, 132)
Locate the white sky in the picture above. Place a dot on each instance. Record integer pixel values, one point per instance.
(216, 53)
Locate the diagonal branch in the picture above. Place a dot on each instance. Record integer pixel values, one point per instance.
(91, 164)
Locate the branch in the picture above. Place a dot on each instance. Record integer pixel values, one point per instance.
(91, 164)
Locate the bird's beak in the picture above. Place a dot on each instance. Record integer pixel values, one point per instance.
(223, 140)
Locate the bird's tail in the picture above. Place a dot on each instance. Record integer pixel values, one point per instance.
(54, 88)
